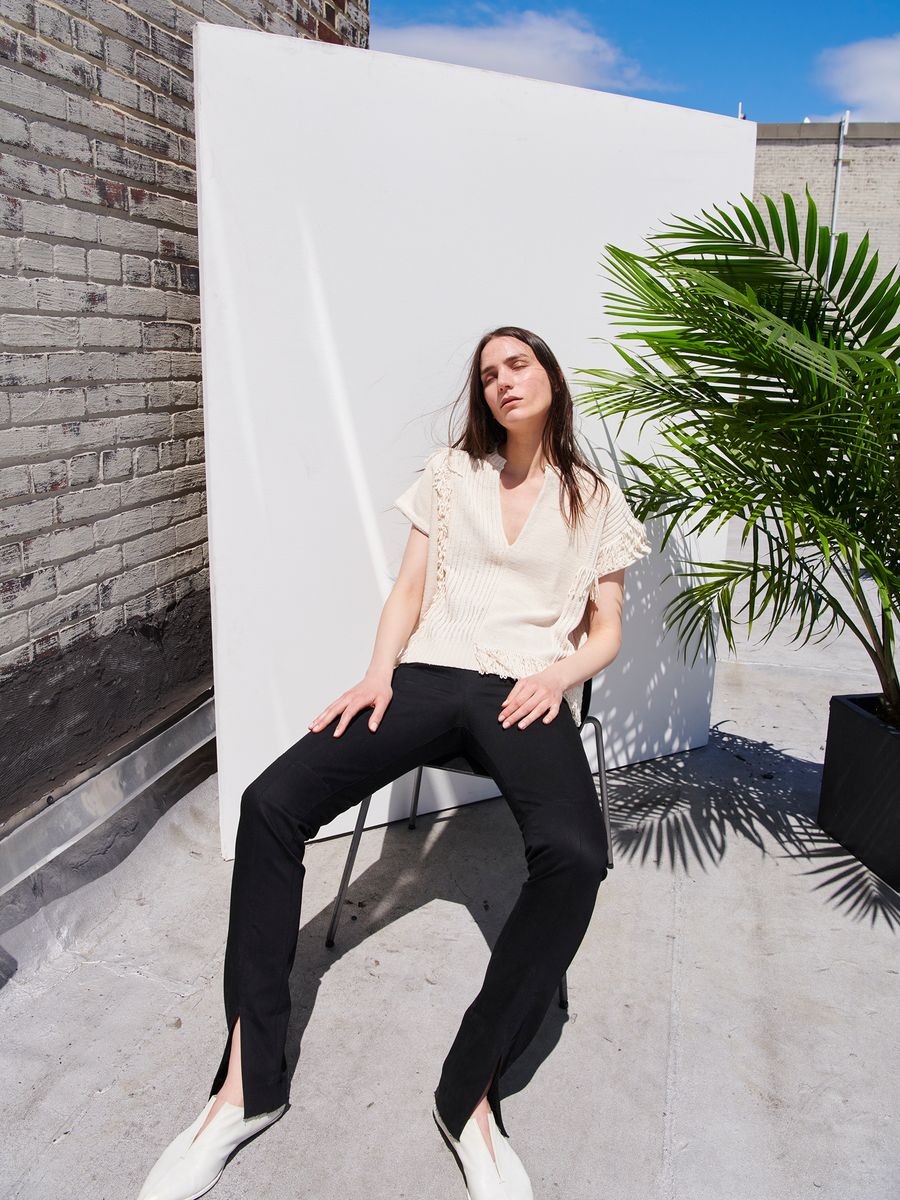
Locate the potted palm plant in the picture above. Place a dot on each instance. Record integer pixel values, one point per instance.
(770, 365)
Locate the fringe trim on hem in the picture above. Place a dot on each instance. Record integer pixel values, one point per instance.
(509, 665)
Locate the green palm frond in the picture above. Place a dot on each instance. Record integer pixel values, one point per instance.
(768, 358)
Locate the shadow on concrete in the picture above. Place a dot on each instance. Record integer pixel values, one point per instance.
(684, 809)
(851, 886)
(471, 856)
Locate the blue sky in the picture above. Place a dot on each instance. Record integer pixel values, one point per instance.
(782, 61)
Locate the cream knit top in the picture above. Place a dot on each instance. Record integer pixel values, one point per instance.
(500, 609)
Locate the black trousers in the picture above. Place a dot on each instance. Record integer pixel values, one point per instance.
(544, 776)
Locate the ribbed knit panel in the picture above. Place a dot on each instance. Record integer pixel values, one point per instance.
(500, 609)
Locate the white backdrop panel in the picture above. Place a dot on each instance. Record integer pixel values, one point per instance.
(364, 218)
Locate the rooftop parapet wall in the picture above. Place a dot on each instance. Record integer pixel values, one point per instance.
(102, 480)
(815, 131)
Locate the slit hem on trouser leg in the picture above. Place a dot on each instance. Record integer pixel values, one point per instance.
(521, 980)
(544, 776)
(222, 1072)
(278, 812)
(304, 789)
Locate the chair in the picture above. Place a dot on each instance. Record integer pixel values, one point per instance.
(468, 766)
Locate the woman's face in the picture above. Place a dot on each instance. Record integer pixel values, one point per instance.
(516, 387)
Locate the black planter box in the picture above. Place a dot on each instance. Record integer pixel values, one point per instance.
(859, 805)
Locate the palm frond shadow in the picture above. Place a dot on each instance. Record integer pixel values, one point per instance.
(685, 809)
(852, 886)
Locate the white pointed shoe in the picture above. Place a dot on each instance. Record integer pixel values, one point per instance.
(176, 1149)
(483, 1181)
(509, 1166)
(188, 1168)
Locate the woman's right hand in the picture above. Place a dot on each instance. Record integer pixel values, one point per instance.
(373, 692)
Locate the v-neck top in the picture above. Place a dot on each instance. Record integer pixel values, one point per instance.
(501, 609)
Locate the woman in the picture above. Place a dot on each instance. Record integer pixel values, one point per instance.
(509, 597)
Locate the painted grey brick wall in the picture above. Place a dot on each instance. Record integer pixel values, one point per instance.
(101, 431)
(790, 158)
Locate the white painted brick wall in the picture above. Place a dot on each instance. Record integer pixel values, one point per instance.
(102, 482)
(792, 158)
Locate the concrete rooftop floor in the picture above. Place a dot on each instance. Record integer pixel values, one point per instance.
(732, 1031)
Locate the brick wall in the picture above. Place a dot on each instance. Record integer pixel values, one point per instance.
(790, 158)
(102, 526)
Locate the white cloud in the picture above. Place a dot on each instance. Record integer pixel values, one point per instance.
(562, 49)
(865, 77)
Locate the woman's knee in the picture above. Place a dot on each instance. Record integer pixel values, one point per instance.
(264, 801)
(259, 810)
(577, 853)
(588, 862)
(256, 799)
(285, 797)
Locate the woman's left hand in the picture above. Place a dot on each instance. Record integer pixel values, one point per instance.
(535, 696)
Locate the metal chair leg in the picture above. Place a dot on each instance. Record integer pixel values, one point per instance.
(348, 869)
(414, 807)
(604, 794)
(563, 992)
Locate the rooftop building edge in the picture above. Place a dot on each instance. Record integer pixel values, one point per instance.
(827, 131)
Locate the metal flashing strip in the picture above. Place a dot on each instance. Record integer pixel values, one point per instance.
(56, 828)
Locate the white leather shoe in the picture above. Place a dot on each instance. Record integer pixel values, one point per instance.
(188, 1168)
(513, 1174)
(175, 1150)
(482, 1174)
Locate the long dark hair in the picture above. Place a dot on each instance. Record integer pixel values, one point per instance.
(475, 430)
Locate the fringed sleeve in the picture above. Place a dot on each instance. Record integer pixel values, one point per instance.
(624, 540)
(416, 502)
